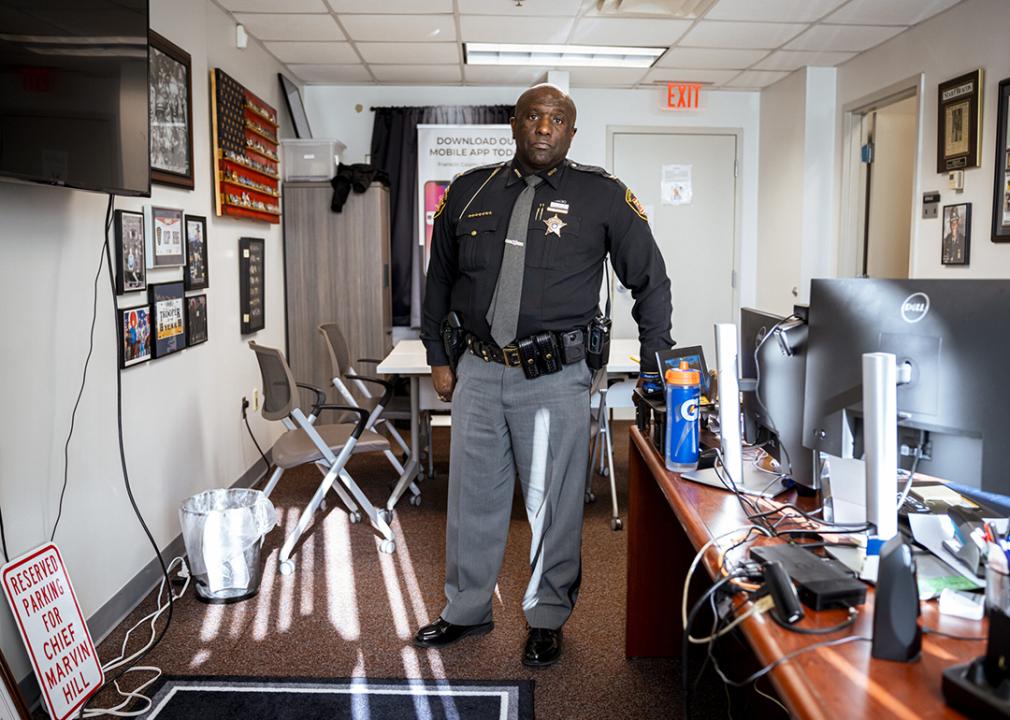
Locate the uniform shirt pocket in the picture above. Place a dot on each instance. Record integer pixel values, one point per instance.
(545, 249)
(476, 240)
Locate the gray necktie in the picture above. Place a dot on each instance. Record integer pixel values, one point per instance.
(503, 315)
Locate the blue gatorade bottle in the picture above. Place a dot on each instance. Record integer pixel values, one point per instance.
(683, 395)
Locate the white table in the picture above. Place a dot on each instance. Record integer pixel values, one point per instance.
(409, 358)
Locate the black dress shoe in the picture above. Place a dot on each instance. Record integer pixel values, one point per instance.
(442, 634)
(543, 647)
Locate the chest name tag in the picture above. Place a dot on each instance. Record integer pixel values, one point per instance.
(558, 206)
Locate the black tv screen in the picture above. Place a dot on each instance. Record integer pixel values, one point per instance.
(73, 93)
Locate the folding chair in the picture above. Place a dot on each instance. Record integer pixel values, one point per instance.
(601, 456)
(328, 447)
(382, 410)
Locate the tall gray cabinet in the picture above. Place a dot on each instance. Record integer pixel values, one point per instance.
(336, 269)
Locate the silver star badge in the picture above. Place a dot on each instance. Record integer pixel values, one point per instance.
(554, 225)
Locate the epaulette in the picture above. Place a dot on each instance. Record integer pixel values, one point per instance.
(475, 169)
(592, 169)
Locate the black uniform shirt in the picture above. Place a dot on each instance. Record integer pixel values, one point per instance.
(580, 213)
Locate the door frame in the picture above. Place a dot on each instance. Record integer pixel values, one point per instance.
(852, 204)
(737, 135)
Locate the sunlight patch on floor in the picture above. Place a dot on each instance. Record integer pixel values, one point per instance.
(307, 574)
(396, 603)
(339, 569)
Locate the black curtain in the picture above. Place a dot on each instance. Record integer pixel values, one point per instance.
(394, 149)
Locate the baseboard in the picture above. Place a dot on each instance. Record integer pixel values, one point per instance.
(108, 617)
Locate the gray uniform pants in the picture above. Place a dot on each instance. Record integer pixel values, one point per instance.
(502, 424)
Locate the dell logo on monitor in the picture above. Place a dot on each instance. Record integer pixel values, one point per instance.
(915, 307)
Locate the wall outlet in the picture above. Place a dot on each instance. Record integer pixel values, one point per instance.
(256, 399)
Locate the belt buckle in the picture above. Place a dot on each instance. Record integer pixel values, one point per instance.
(511, 354)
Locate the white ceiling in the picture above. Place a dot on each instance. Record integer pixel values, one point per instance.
(737, 44)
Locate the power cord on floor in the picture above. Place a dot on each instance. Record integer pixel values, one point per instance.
(129, 489)
(266, 462)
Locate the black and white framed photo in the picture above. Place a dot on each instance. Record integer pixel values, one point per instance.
(131, 264)
(251, 263)
(956, 245)
(164, 228)
(170, 86)
(196, 274)
(196, 319)
(134, 335)
(1001, 193)
(168, 317)
(959, 128)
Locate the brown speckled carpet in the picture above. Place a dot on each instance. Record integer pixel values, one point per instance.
(350, 611)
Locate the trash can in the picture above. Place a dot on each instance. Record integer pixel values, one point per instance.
(223, 531)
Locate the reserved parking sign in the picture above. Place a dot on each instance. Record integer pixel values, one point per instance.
(52, 627)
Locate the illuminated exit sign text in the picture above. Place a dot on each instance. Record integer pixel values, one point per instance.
(682, 96)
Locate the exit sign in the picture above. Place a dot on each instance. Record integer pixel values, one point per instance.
(682, 96)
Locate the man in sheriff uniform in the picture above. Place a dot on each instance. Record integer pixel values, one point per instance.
(518, 253)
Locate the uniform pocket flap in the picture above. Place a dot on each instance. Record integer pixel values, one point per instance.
(477, 225)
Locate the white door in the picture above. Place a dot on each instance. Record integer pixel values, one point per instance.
(697, 238)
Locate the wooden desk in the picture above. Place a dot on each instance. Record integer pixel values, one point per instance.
(669, 519)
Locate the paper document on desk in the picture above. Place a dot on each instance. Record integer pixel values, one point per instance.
(930, 531)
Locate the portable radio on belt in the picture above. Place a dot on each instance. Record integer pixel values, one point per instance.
(598, 340)
(453, 338)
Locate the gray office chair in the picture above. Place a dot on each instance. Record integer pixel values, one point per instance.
(328, 447)
(601, 456)
(382, 410)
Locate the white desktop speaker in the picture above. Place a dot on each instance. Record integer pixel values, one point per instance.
(880, 441)
(726, 355)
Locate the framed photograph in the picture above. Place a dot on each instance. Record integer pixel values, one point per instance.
(11, 704)
(134, 335)
(251, 256)
(1001, 192)
(170, 86)
(165, 246)
(196, 275)
(959, 123)
(131, 265)
(196, 319)
(168, 317)
(956, 234)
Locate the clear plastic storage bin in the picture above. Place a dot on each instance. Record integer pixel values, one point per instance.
(310, 159)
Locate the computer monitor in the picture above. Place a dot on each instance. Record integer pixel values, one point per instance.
(776, 347)
(954, 337)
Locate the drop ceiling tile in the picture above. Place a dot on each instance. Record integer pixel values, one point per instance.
(565, 8)
(605, 77)
(717, 34)
(400, 28)
(391, 6)
(714, 77)
(313, 52)
(276, 6)
(773, 10)
(848, 38)
(756, 79)
(511, 29)
(790, 60)
(406, 53)
(290, 26)
(492, 75)
(335, 74)
(416, 73)
(682, 57)
(627, 31)
(891, 12)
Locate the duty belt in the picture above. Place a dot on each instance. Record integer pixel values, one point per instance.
(540, 354)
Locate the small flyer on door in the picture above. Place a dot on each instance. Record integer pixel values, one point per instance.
(675, 186)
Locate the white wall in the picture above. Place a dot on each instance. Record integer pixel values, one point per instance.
(968, 36)
(182, 417)
(332, 113)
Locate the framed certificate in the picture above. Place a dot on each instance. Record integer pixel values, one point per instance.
(959, 123)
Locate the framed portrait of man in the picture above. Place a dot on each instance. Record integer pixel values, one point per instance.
(959, 123)
(131, 262)
(956, 242)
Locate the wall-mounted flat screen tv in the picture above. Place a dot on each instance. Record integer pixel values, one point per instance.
(74, 93)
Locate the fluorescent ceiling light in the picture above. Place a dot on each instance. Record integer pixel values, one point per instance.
(560, 55)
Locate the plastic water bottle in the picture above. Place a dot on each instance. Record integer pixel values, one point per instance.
(683, 395)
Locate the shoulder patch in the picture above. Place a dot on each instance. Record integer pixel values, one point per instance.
(441, 204)
(592, 169)
(491, 166)
(634, 204)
